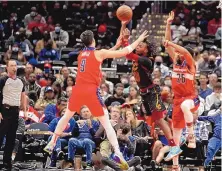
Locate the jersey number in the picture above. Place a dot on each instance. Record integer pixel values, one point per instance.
(181, 78)
(82, 65)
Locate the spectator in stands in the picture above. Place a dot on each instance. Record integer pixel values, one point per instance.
(69, 81)
(48, 53)
(218, 37)
(117, 97)
(201, 108)
(215, 23)
(134, 97)
(47, 99)
(200, 131)
(132, 82)
(50, 25)
(61, 37)
(4, 10)
(178, 30)
(104, 80)
(214, 143)
(193, 30)
(37, 23)
(167, 81)
(127, 144)
(167, 97)
(36, 35)
(212, 65)
(30, 17)
(28, 70)
(24, 45)
(156, 81)
(215, 97)
(32, 85)
(52, 110)
(64, 138)
(157, 76)
(181, 11)
(105, 93)
(201, 21)
(83, 135)
(16, 54)
(204, 90)
(58, 90)
(68, 91)
(159, 64)
(213, 79)
(203, 66)
(41, 43)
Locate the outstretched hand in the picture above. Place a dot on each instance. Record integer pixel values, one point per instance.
(143, 36)
(170, 17)
(119, 41)
(125, 22)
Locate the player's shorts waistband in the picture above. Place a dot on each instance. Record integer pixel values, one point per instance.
(144, 90)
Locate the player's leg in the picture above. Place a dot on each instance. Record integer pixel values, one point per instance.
(177, 132)
(186, 107)
(59, 130)
(111, 136)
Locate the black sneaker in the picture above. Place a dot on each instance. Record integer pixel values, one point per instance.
(153, 164)
(60, 155)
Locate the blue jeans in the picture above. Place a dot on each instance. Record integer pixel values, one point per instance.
(87, 144)
(213, 146)
(60, 143)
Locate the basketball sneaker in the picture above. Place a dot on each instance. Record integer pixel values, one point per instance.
(174, 151)
(120, 161)
(49, 147)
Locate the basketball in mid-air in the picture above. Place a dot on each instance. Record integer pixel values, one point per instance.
(124, 13)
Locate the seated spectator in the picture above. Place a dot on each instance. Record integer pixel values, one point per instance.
(132, 82)
(212, 65)
(213, 79)
(41, 43)
(134, 95)
(36, 35)
(203, 66)
(178, 30)
(52, 110)
(64, 73)
(83, 135)
(28, 70)
(127, 144)
(69, 81)
(201, 108)
(69, 91)
(157, 74)
(167, 81)
(159, 64)
(105, 93)
(32, 85)
(193, 31)
(215, 23)
(204, 90)
(218, 37)
(46, 100)
(201, 21)
(117, 97)
(48, 80)
(214, 143)
(48, 53)
(215, 97)
(58, 90)
(37, 23)
(181, 11)
(49, 26)
(60, 36)
(104, 80)
(24, 45)
(16, 54)
(157, 81)
(30, 17)
(64, 138)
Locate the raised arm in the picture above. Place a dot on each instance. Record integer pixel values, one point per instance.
(170, 50)
(186, 54)
(103, 54)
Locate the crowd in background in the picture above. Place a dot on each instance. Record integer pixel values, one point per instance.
(38, 31)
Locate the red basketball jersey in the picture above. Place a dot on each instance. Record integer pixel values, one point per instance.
(183, 81)
(89, 69)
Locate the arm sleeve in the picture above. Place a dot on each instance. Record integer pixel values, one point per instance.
(52, 125)
(49, 114)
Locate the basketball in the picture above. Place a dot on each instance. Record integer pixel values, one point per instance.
(124, 13)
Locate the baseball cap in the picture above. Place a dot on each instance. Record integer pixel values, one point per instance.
(116, 103)
(47, 89)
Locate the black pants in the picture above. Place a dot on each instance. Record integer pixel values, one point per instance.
(8, 128)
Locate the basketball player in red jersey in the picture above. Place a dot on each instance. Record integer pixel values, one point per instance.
(183, 80)
(86, 90)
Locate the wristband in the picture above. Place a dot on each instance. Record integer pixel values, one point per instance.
(130, 49)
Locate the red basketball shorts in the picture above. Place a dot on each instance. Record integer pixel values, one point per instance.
(178, 115)
(88, 95)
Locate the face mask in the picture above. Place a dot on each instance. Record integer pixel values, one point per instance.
(168, 82)
(158, 63)
(15, 49)
(57, 30)
(33, 14)
(211, 64)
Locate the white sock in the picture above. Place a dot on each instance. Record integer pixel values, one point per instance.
(110, 133)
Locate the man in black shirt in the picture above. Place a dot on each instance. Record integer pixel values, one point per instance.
(142, 69)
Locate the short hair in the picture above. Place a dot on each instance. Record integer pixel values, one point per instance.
(83, 107)
(7, 62)
(87, 37)
(62, 99)
(217, 85)
(203, 74)
(119, 85)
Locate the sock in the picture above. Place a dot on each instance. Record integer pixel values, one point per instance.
(171, 142)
